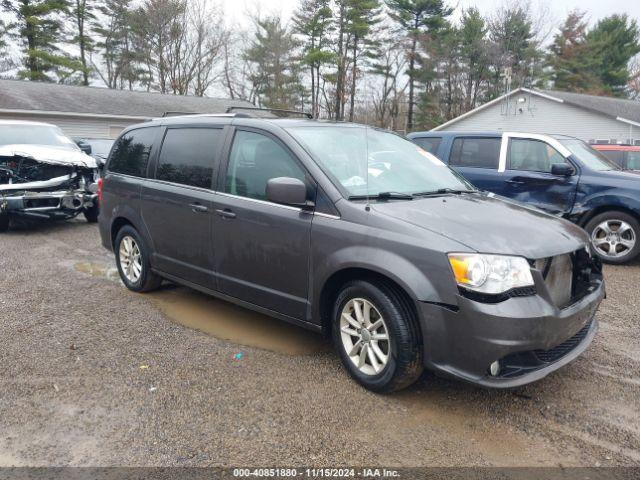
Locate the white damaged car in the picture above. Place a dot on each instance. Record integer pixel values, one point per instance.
(44, 174)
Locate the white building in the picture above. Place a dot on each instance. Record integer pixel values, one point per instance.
(92, 112)
(588, 117)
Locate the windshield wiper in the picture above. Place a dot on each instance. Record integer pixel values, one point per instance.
(383, 196)
(442, 191)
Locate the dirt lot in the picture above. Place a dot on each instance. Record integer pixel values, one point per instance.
(92, 374)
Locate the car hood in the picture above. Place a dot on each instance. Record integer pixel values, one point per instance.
(489, 225)
(49, 154)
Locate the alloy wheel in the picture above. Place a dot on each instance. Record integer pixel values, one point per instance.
(365, 336)
(613, 238)
(130, 259)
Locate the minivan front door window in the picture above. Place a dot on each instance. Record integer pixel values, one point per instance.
(254, 160)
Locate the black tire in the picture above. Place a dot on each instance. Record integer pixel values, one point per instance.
(615, 216)
(91, 214)
(404, 365)
(148, 280)
(4, 222)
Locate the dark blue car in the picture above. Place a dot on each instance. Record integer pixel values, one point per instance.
(558, 174)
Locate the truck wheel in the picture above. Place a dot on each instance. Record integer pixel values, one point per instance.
(615, 236)
(91, 213)
(4, 222)
(377, 336)
(132, 259)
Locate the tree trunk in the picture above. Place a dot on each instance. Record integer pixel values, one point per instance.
(353, 79)
(412, 63)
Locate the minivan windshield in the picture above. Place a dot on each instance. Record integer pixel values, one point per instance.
(587, 155)
(25, 134)
(376, 163)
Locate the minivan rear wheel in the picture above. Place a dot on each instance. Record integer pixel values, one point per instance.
(132, 259)
(377, 336)
(615, 236)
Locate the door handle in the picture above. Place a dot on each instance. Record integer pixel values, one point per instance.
(515, 182)
(225, 213)
(198, 208)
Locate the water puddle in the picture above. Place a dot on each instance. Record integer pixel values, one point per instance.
(229, 322)
(98, 270)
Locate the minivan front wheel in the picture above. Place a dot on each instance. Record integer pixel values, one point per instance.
(615, 236)
(132, 259)
(377, 336)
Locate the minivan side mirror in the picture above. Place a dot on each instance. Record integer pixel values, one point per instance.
(561, 169)
(287, 191)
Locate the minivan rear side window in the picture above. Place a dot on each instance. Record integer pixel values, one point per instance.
(476, 152)
(187, 156)
(430, 144)
(131, 152)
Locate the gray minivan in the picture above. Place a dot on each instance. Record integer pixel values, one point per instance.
(355, 232)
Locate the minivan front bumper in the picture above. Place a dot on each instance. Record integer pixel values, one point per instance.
(529, 336)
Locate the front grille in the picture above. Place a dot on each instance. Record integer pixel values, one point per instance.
(569, 277)
(548, 356)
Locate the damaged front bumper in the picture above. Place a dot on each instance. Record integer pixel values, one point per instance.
(42, 189)
(48, 205)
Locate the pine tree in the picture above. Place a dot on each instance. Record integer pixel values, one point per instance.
(363, 16)
(571, 60)
(82, 12)
(615, 40)
(38, 25)
(275, 76)
(312, 21)
(416, 18)
(120, 60)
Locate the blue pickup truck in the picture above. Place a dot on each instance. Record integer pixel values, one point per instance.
(559, 174)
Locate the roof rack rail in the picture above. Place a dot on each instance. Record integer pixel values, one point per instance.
(273, 110)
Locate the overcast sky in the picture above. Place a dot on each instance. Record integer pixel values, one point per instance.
(558, 8)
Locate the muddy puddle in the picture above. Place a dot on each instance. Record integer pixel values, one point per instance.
(98, 270)
(235, 324)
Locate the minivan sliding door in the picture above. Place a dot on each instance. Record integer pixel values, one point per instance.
(177, 204)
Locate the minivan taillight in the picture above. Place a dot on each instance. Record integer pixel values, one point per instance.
(100, 180)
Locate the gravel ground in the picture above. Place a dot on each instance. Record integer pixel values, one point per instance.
(92, 374)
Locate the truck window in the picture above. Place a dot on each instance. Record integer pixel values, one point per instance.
(633, 160)
(430, 144)
(476, 152)
(131, 152)
(532, 155)
(188, 155)
(616, 156)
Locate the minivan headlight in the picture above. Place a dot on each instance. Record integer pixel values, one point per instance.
(491, 274)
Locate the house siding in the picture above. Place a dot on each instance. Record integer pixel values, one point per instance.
(541, 115)
(76, 127)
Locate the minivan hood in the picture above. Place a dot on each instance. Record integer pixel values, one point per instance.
(49, 154)
(488, 224)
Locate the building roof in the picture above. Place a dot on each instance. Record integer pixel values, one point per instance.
(610, 106)
(627, 111)
(19, 95)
